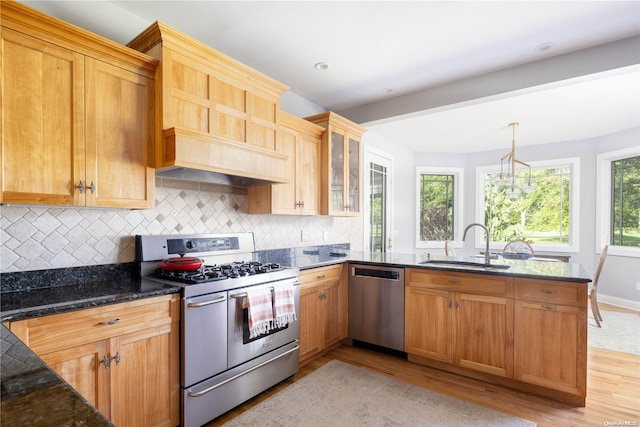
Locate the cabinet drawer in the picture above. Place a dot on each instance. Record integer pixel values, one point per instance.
(60, 331)
(483, 284)
(315, 275)
(570, 293)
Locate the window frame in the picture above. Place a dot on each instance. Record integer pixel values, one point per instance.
(573, 163)
(458, 204)
(603, 201)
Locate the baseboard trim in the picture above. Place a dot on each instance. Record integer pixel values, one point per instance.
(619, 302)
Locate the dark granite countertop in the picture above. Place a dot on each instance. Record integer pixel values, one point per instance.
(311, 257)
(39, 293)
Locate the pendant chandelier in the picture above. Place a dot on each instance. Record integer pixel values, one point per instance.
(508, 179)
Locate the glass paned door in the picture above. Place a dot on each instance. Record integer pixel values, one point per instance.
(378, 203)
(337, 172)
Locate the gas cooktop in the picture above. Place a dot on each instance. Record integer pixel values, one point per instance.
(211, 273)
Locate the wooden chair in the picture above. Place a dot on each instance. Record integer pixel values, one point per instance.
(518, 246)
(449, 249)
(593, 289)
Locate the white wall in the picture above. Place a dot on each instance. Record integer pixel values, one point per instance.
(620, 274)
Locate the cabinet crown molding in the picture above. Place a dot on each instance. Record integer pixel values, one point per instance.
(29, 21)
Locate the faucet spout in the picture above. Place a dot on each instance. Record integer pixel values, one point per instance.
(488, 238)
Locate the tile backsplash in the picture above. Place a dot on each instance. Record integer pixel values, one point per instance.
(35, 238)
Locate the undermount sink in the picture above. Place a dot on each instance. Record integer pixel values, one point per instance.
(472, 264)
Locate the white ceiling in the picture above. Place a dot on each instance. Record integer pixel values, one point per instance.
(384, 49)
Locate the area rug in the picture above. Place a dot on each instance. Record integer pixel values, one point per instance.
(339, 394)
(619, 332)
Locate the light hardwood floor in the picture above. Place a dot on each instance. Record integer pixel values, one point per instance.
(613, 388)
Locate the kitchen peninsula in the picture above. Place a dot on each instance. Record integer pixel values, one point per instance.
(505, 308)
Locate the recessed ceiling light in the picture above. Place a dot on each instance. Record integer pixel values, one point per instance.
(544, 47)
(322, 66)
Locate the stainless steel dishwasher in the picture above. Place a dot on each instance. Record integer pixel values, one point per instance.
(376, 305)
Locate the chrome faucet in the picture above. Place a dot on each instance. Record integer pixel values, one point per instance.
(486, 230)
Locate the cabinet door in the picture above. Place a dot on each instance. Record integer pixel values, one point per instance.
(550, 346)
(352, 193)
(336, 173)
(283, 196)
(310, 325)
(308, 174)
(144, 380)
(119, 138)
(484, 336)
(332, 313)
(82, 367)
(429, 324)
(42, 112)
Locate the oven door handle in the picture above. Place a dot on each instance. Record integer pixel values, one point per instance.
(266, 362)
(203, 303)
(244, 294)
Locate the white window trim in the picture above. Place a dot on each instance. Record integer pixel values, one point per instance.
(603, 201)
(574, 199)
(458, 188)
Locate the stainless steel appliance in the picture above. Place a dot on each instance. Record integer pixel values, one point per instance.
(221, 365)
(376, 305)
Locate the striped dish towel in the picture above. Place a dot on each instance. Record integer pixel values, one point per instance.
(284, 308)
(259, 304)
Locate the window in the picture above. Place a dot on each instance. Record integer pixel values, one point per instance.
(545, 217)
(439, 201)
(618, 202)
(625, 202)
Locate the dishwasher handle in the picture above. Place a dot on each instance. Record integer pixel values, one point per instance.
(387, 274)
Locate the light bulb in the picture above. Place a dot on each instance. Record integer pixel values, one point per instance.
(530, 186)
(513, 192)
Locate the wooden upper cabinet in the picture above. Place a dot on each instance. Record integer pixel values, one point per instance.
(77, 115)
(217, 114)
(341, 165)
(42, 121)
(300, 140)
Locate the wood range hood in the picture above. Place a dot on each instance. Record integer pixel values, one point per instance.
(194, 157)
(218, 119)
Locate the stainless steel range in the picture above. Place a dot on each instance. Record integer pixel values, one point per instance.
(222, 364)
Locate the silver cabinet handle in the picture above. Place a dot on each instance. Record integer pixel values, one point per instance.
(81, 187)
(92, 187)
(117, 357)
(204, 303)
(105, 361)
(213, 387)
(109, 322)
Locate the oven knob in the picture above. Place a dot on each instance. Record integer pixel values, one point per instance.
(189, 244)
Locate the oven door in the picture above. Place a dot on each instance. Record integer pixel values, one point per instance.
(240, 347)
(204, 337)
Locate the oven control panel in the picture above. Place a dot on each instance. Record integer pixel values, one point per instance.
(215, 244)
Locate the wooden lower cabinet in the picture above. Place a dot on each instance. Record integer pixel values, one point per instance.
(323, 309)
(131, 373)
(551, 337)
(472, 331)
(525, 333)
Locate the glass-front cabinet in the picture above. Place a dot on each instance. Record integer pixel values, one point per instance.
(341, 175)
